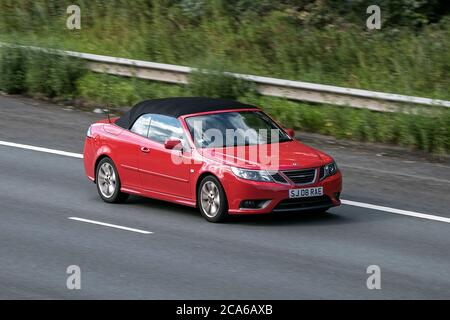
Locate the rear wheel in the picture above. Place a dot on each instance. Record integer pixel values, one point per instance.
(211, 200)
(108, 182)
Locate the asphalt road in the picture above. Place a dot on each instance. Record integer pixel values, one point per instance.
(293, 256)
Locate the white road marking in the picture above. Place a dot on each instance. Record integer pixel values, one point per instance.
(46, 150)
(110, 225)
(346, 202)
(397, 211)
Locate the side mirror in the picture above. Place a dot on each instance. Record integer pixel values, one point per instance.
(291, 132)
(173, 144)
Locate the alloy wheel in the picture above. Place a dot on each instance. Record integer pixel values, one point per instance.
(107, 180)
(210, 199)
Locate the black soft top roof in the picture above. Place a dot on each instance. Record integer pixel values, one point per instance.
(175, 107)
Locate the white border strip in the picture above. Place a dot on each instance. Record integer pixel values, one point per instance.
(110, 225)
(46, 150)
(397, 211)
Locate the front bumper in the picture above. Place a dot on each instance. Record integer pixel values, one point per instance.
(276, 195)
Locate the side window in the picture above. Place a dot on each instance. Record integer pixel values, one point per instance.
(164, 127)
(142, 125)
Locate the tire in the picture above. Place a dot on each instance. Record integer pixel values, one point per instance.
(211, 200)
(108, 182)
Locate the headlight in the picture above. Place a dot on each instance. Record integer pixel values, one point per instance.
(254, 175)
(88, 133)
(328, 170)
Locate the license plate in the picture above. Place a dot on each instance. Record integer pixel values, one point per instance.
(306, 192)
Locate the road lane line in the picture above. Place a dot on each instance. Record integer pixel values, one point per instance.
(40, 149)
(397, 211)
(346, 202)
(110, 225)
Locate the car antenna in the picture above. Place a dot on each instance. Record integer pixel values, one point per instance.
(109, 118)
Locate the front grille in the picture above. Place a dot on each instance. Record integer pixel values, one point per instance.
(278, 177)
(299, 204)
(301, 176)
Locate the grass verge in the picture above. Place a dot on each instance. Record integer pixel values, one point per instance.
(41, 74)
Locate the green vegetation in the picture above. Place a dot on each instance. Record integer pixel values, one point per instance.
(319, 41)
(427, 131)
(35, 72)
(211, 80)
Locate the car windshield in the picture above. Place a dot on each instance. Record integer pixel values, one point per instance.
(234, 129)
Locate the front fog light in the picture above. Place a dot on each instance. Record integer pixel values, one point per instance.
(253, 204)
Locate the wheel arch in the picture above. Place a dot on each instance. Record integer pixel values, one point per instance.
(199, 180)
(97, 161)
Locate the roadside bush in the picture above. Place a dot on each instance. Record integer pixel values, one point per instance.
(107, 90)
(211, 80)
(36, 72)
(53, 75)
(424, 130)
(12, 70)
(319, 41)
(112, 91)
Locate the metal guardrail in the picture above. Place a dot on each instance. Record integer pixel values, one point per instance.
(295, 90)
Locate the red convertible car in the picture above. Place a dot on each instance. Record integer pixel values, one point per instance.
(221, 156)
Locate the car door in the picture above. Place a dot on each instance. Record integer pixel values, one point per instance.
(129, 151)
(162, 170)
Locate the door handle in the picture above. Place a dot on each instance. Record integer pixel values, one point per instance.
(145, 149)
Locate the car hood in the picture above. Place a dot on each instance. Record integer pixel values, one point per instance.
(276, 156)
